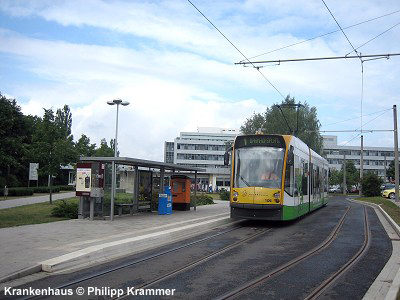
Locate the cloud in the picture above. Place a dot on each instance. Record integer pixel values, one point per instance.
(177, 70)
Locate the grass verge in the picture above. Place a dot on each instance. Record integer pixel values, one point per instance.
(392, 209)
(2, 198)
(30, 214)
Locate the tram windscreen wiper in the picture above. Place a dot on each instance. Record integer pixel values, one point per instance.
(244, 180)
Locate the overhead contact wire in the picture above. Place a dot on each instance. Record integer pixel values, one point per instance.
(258, 69)
(325, 34)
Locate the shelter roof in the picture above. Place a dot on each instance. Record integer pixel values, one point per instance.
(141, 163)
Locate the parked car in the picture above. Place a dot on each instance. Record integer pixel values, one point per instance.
(387, 186)
(354, 189)
(332, 189)
(335, 189)
(389, 193)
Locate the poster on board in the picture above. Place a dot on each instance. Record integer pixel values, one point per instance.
(83, 179)
(33, 173)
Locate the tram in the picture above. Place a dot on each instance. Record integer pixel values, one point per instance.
(275, 177)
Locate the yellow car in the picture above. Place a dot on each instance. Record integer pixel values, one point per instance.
(388, 193)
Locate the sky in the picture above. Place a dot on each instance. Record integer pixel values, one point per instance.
(178, 72)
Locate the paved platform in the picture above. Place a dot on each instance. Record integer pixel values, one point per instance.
(35, 199)
(54, 243)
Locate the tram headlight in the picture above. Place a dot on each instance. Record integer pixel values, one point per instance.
(277, 197)
(235, 196)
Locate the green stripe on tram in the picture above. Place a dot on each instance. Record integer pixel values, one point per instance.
(293, 212)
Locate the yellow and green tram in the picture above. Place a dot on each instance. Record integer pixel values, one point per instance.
(275, 177)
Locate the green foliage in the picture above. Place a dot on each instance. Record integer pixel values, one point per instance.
(84, 147)
(15, 134)
(65, 209)
(202, 199)
(52, 141)
(335, 178)
(371, 184)
(29, 214)
(17, 192)
(390, 170)
(104, 150)
(224, 194)
(352, 174)
(66, 188)
(46, 189)
(273, 122)
(47, 141)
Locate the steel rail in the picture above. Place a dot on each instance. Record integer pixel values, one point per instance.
(364, 248)
(125, 265)
(195, 263)
(249, 285)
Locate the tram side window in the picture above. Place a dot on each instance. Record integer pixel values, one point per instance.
(289, 186)
(326, 181)
(317, 182)
(297, 176)
(304, 183)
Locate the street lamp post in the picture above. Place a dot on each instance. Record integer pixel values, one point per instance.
(113, 180)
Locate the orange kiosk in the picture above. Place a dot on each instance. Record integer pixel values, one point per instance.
(180, 192)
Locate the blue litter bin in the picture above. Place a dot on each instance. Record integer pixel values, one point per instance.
(165, 202)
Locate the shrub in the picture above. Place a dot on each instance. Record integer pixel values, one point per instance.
(66, 187)
(224, 194)
(371, 184)
(64, 209)
(46, 189)
(17, 192)
(202, 200)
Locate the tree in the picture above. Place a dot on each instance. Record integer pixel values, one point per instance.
(83, 147)
(15, 134)
(352, 174)
(104, 150)
(52, 142)
(371, 184)
(390, 170)
(334, 177)
(273, 122)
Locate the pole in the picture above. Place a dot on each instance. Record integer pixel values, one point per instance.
(396, 154)
(344, 175)
(361, 164)
(384, 168)
(112, 190)
(113, 181)
(195, 189)
(116, 134)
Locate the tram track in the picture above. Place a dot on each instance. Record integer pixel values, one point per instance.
(109, 271)
(195, 263)
(327, 283)
(210, 254)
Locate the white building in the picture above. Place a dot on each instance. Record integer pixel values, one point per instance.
(376, 159)
(204, 149)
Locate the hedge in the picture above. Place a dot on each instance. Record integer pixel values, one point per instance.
(17, 192)
(45, 189)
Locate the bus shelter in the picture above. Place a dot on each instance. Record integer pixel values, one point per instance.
(138, 183)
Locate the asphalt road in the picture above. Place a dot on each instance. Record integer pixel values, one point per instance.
(269, 246)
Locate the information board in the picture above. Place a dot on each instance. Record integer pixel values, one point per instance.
(83, 179)
(33, 174)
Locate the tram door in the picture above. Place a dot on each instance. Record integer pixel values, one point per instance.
(311, 184)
